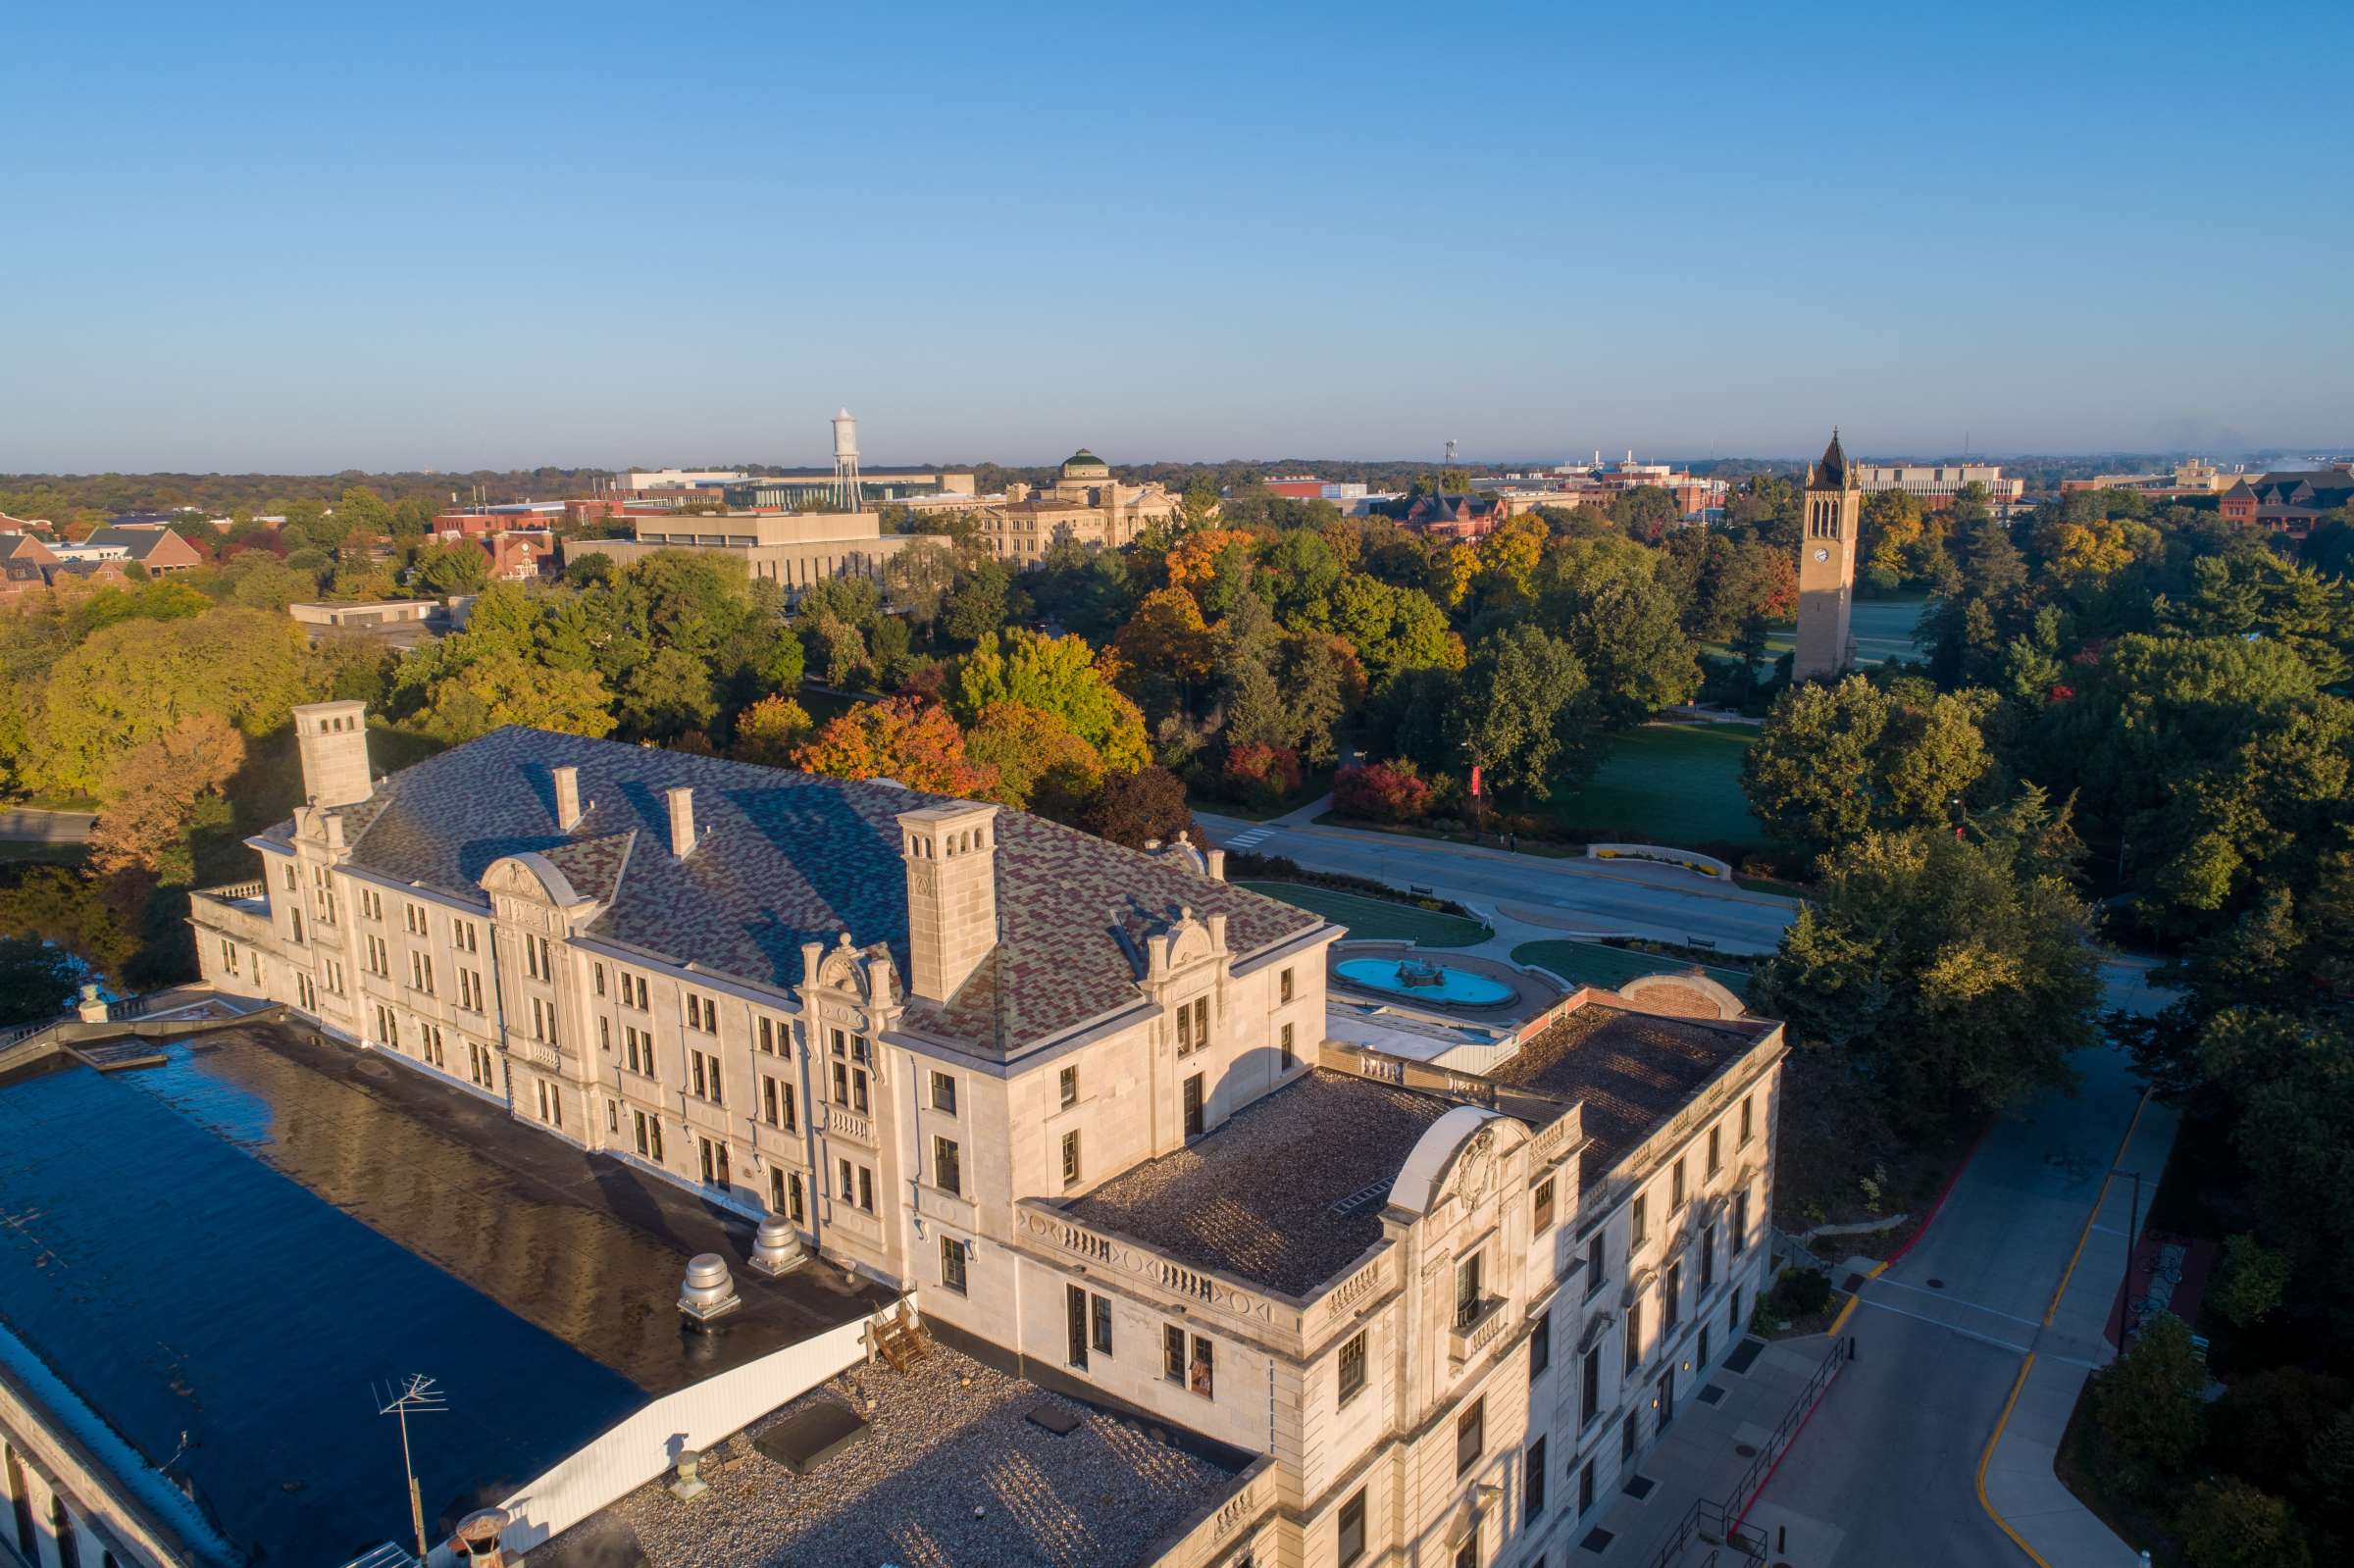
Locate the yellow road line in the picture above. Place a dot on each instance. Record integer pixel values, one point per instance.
(1840, 1321)
(1987, 1459)
(2099, 1199)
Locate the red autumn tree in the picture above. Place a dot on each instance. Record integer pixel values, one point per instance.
(913, 742)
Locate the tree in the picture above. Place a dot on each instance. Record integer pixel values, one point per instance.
(1944, 975)
(506, 688)
(1837, 757)
(36, 980)
(1523, 711)
(667, 694)
(769, 730)
(2147, 1401)
(2255, 1281)
(1393, 629)
(150, 792)
(2229, 1524)
(1262, 775)
(984, 602)
(1140, 808)
(903, 738)
(1041, 763)
(1060, 675)
(459, 567)
(1164, 651)
(919, 579)
(1605, 599)
(1382, 791)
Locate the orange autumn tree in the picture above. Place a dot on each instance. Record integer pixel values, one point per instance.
(1195, 559)
(905, 739)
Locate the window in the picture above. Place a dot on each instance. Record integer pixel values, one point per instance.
(470, 991)
(775, 1103)
(412, 917)
(715, 1163)
(462, 936)
(380, 958)
(1350, 1539)
(849, 1072)
(1070, 1085)
(1467, 1551)
(866, 1189)
(1282, 987)
(772, 1038)
(943, 1093)
(1532, 1483)
(1540, 1344)
(1472, 1434)
(1193, 1106)
(1715, 1150)
(1745, 1118)
(1640, 1223)
(1634, 1336)
(1353, 1368)
(1594, 1270)
(292, 884)
(1283, 1044)
(612, 1116)
(1628, 1435)
(480, 1066)
(1589, 1393)
(1197, 1373)
(1070, 1158)
(604, 1035)
(1708, 1258)
(1099, 1314)
(551, 1104)
(1466, 1291)
(948, 1166)
(1672, 1298)
(952, 1264)
(1541, 1218)
(372, 903)
(429, 1043)
(702, 1071)
(598, 971)
(1740, 1222)
(420, 972)
(1585, 1489)
(1675, 1188)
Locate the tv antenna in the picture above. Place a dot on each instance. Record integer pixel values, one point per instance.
(416, 1397)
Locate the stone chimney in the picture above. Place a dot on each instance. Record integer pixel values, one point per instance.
(951, 857)
(1216, 861)
(682, 820)
(332, 739)
(567, 799)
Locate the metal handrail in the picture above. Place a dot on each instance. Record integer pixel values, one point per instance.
(1724, 1515)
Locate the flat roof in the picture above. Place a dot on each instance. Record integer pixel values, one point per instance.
(1285, 1193)
(266, 1231)
(949, 1472)
(1631, 1069)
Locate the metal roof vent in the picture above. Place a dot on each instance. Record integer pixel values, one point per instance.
(710, 1290)
(477, 1538)
(778, 1249)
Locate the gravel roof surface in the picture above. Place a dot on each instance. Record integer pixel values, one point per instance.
(1256, 1197)
(945, 1438)
(1632, 1070)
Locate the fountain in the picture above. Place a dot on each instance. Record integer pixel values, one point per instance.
(1423, 980)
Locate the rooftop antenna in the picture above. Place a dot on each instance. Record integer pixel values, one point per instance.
(415, 1396)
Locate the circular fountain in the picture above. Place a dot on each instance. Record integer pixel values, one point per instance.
(1420, 980)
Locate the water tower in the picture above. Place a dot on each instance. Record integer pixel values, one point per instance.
(846, 462)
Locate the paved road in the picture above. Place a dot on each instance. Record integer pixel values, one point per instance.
(1572, 896)
(24, 826)
(1887, 1473)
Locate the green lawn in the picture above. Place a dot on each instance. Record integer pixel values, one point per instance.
(1678, 784)
(1882, 629)
(1593, 964)
(12, 853)
(1377, 919)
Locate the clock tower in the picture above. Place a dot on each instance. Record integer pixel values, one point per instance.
(1826, 566)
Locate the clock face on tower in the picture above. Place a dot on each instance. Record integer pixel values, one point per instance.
(1823, 554)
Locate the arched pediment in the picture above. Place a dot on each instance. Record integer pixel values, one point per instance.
(1459, 1153)
(531, 876)
(1190, 943)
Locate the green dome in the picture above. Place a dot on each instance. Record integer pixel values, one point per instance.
(1083, 458)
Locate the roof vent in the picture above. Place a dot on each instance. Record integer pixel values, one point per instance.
(710, 1290)
(477, 1538)
(778, 1249)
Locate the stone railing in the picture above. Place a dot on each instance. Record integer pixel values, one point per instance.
(1264, 1315)
(849, 1124)
(1219, 1531)
(240, 910)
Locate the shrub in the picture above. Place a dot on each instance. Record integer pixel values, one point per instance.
(1382, 791)
(2229, 1524)
(2266, 1426)
(1800, 1293)
(1262, 774)
(2255, 1281)
(2147, 1403)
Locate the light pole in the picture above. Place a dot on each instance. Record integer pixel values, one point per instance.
(2132, 1234)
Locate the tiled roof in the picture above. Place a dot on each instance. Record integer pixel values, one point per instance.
(1632, 1070)
(785, 858)
(1832, 473)
(1285, 1193)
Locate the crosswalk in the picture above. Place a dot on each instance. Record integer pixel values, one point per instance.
(1251, 838)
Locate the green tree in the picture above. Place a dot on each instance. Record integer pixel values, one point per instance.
(1836, 758)
(506, 688)
(2229, 1524)
(36, 980)
(667, 694)
(2255, 1281)
(459, 567)
(2146, 1403)
(769, 730)
(1523, 717)
(1057, 676)
(1606, 599)
(985, 601)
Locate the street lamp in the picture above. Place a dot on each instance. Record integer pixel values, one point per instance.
(2132, 1234)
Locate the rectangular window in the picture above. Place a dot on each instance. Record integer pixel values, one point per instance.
(1589, 1394)
(1466, 1289)
(1745, 1118)
(1472, 1434)
(1540, 1344)
(792, 1198)
(1715, 1150)
(1070, 1085)
(641, 1116)
(1201, 1373)
(1628, 1435)
(604, 1035)
(1283, 1044)
(1100, 1317)
(1585, 1489)
(1070, 1158)
(1708, 1258)
(1352, 1367)
(1172, 1354)
(1350, 1539)
(768, 1036)
(612, 1116)
(598, 972)
(1541, 1207)
(1593, 1269)
(1532, 1483)
(866, 1189)
(1282, 987)
(943, 1093)
(952, 1264)
(1634, 1336)
(1640, 1223)
(1466, 1551)
(948, 1166)
(1201, 1021)
(1740, 1222)
(1184, 1030)
(1675, 1188)
(1672, 1298)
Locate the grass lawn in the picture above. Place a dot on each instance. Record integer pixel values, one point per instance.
(1595, 964)
(12, 853)
(1678, 784)
(1882, 629)
(1377, 919)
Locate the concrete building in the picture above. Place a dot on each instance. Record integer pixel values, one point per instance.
(1935, 485)
(1084, 505)
(1082, 1102)
(2193, 476)
(1826, 567)
(796, 549)
(397, 622)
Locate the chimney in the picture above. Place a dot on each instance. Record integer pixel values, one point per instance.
(951, 857)
(682, 820)
(567, 799)
(1218, 864)
(333, 740)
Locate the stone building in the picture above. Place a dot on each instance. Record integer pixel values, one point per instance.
(796, 549)
(1080, 1101)
(1084, 505)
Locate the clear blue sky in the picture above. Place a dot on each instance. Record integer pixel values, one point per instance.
(310, 237)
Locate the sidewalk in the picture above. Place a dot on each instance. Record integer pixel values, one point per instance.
(2015, 1480)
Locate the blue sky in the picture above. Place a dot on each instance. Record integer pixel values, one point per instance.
(311, 237)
